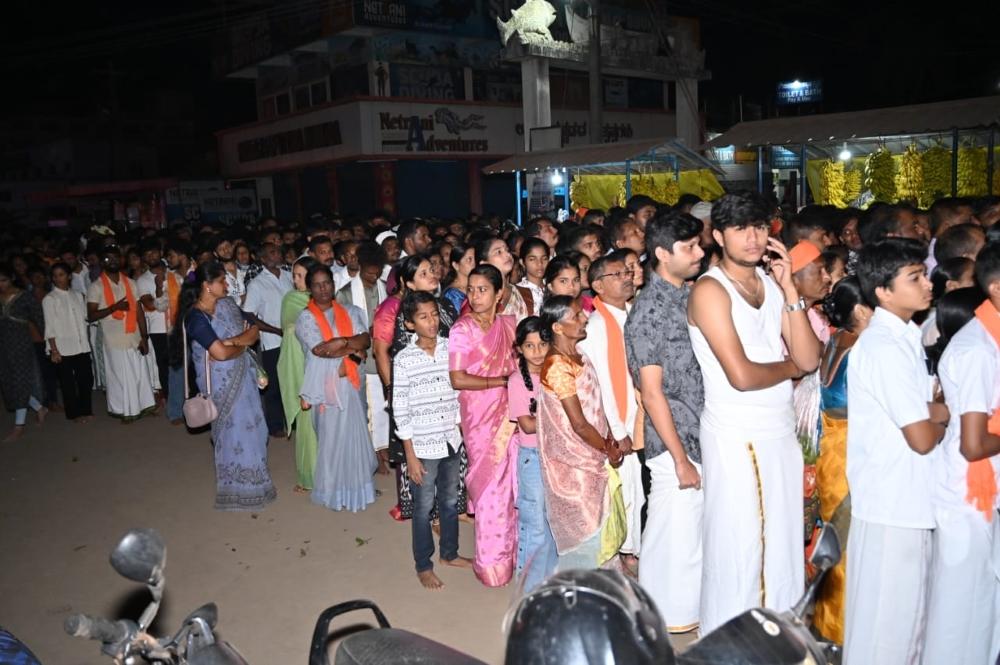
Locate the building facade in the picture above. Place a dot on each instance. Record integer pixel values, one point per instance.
(370, 104)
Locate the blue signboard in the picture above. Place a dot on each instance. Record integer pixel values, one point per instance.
(783, 158)
(800, 92)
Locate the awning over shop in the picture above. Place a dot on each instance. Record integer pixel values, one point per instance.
(861, 126)
(607, 158)
(111, 188)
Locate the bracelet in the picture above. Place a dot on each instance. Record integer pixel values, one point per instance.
(796, 307)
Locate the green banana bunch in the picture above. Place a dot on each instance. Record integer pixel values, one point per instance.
(852, 185)
(579, 194)
(910, 176)
(936, 182)
(880, 175)
(832, 184)
(971, 171)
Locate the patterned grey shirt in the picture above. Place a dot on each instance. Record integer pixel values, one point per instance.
(656, 333)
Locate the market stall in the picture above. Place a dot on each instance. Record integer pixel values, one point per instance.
(915, 153)
(607, 174)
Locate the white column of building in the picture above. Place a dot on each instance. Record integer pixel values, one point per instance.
(688, 125)
(536, 98)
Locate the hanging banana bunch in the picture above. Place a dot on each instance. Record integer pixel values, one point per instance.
(880, 175)
(852, 185)
(579, 194)
(971, 171)
(669, 191)
(996, 179)
(621, 199)
(832, 184)
(936, 162)
(910, 176)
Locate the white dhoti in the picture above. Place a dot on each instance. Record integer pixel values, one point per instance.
(963, 619)
(130, 388)
(630, 473)
(888, 580)
(154, 371)
(670, 567)
(753, 552)
(378, 419)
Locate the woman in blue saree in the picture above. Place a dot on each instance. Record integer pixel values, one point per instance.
(219, 339)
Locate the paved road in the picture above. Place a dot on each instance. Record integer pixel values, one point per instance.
(67, 493)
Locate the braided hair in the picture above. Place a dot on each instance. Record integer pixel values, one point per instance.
(528, 325)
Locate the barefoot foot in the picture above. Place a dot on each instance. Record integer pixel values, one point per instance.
(457, 562)
(15, 434)
(430, 580)
(41, 413)
(299, 489)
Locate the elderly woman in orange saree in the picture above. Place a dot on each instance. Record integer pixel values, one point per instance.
(578, 454)
(481, 357)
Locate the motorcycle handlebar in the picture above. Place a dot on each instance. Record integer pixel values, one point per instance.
(96, 628)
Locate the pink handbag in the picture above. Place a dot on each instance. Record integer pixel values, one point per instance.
(199, 410)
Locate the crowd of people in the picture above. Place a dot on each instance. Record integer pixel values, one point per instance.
(638, 389)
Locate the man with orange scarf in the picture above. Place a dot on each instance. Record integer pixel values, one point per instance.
(605, 346)
(113, 300)
(963, 622)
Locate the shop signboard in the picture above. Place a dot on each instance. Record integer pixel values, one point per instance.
(783, 158)
(210, 201)
(800, 92)
(468, 19)
(426, 82)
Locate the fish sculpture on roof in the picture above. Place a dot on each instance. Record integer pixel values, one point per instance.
(530, 22)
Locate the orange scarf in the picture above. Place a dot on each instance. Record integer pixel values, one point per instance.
(616, 357)
(344, 327)
(980, 479)
(109, 297)
(173, 296)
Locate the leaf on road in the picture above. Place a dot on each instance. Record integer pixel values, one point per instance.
(362, 541)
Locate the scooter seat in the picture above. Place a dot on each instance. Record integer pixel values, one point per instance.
(392, 646)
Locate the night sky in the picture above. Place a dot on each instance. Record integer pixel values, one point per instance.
(867, 56)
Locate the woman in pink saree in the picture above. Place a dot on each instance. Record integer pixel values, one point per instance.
(481, 357)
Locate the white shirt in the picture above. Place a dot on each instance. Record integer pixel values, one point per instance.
(237, 284)
(156, 321)
(264, 294)
(537, 294)
(424, 404)
(80, 281)
(595, 346)
(888, 387)
(340, 276)
(66, 321)
(970, 377)
(114, 329)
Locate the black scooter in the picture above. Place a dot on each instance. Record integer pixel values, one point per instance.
(756, 637)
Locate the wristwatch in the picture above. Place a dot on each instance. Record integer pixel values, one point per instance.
(800, 305)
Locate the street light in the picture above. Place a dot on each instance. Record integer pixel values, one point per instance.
(845, 154)
(557, 178)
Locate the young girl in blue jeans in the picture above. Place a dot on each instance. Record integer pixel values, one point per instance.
(536, 549)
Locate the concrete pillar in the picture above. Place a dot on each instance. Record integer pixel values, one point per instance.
(536, 98)
(467, 77)
(688, 125)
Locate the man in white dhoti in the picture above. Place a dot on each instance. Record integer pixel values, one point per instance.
(113, 300)
(738, 318)
(662, 363)
(605, 346)
(963, 622)
(366, 291)
(892, 426)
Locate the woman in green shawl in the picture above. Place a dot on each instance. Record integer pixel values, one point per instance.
(291, 372)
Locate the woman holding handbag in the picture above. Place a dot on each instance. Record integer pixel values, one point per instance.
(228, 377)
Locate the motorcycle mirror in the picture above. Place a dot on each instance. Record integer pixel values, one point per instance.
(827, 552)
(140, 556)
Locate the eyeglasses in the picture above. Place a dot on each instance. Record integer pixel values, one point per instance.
(619, 274)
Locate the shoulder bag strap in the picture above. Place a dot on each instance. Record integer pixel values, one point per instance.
(208, 371)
